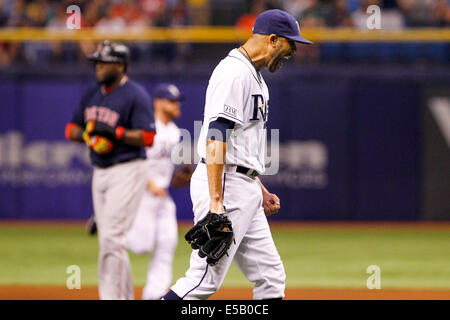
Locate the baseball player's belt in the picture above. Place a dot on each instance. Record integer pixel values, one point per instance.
(107, 165)
(252, 173)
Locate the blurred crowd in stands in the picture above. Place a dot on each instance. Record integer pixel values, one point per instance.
(110, 15)
(101, 15)
(396, 14)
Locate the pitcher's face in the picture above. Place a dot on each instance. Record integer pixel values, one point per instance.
(280, 49)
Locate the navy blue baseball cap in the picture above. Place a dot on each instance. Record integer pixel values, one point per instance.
(168, 91)
(278, 22)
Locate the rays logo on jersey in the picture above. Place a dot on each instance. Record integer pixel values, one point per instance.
(259, 108)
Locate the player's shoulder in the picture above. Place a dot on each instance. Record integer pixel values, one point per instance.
(173, 126)
(90, 91)
(231, 67)
(137, 88)
(175, 132)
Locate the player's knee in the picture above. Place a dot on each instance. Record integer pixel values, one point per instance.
(138, 247)
(172, 241)
(109, 243)
(169, 241)
(112, 243)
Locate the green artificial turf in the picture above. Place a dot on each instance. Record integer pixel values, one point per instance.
(327, 258)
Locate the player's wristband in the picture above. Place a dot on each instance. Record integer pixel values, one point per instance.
(148, 137)
(120, 133)
(68, 132)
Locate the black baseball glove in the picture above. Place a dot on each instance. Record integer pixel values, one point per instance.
(212, 235)
(94, 128)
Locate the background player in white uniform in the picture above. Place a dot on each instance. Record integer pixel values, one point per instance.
(155, 226)
(237, 106)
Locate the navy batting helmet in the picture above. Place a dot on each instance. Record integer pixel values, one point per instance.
(112, 52)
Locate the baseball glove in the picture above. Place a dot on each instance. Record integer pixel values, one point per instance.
(99, 144)
(96, 128)
(91, 226)
(212, 235)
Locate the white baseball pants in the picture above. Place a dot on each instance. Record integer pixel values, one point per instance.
(155, 229)
(254, 252)
(117, 191)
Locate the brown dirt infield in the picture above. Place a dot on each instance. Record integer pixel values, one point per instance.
(90, 293)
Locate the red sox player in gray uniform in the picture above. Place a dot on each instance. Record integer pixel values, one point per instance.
(115, 120)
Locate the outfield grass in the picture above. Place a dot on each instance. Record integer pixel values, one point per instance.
(320, 257)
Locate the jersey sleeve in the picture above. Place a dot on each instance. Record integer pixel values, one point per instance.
(142, 114)
(78, 114)
(227, 100)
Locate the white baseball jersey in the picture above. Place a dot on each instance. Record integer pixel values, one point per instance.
(237, 92)
(160, 165)
(155, 226)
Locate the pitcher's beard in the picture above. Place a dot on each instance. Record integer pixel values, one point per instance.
(277, 64)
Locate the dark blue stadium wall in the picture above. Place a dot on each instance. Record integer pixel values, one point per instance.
(350, 142)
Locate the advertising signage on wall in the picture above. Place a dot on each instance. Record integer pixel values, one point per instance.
(366, 148)
(42, 163)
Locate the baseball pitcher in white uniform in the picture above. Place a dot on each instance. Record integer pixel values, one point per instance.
(230, 221)
(155, 226)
